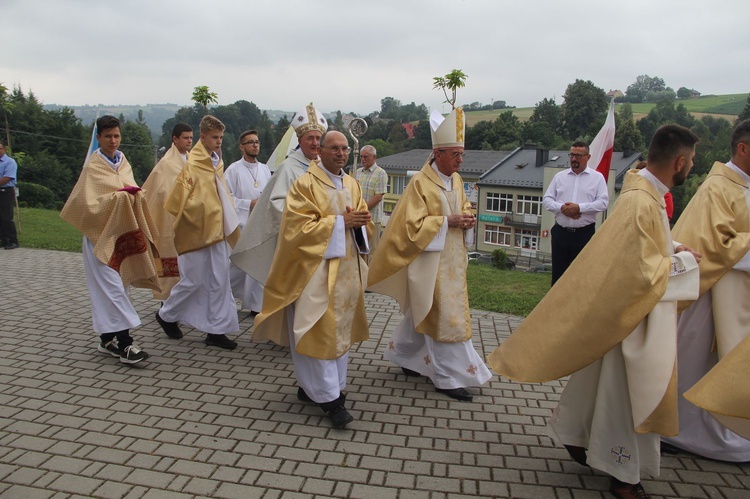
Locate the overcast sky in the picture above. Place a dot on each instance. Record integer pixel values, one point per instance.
(349, 54)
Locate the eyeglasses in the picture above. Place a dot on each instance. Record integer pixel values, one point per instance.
(576, 156)
(455, 154)
(251, 142)
(336, 149)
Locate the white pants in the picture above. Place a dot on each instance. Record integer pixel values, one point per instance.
(111, 308)
(246, 289)
(323, 380)
(203, 297)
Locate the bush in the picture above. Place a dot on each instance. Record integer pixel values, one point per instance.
(500, 259)
(35, 194)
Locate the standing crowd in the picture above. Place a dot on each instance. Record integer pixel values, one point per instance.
(299, 248)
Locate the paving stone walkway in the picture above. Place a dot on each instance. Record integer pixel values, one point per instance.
(195, 421)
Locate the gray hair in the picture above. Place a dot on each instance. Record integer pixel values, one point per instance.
(370, 148)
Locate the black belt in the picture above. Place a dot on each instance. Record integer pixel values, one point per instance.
(578, 229)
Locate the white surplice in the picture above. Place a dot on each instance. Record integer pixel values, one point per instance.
(246, 182)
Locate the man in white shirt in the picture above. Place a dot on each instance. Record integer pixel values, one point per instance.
(575, 196)
(246, 180)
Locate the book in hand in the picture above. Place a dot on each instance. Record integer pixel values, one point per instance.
(360, 237)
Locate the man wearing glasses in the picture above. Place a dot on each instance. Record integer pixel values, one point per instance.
(313, 301)
(421, 262)
(246, 180)
(575, 196)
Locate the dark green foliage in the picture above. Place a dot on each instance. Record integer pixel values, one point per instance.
(35, 195)
(500, 259)
(583, 111)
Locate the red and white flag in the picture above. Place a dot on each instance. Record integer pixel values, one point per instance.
(603, 145)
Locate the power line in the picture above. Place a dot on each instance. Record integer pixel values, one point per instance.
(45, 136)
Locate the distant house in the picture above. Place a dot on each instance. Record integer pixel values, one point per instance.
(694, 93)
(509, 210)
(409, 129)
(615, 94)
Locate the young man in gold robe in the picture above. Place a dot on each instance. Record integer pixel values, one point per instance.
(109, 208)
(611, 322)
(716, 223)
(421, 262)
(313, 299)
(156, 190)
(205, 230)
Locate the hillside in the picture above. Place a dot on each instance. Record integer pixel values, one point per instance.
(726, 106)
(154, 114)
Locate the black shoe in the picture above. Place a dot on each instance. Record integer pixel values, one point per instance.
(12, 246)
(624, 490)
(171, 329)
(220, 340)
(302, 395)
(409, 372)
(669, 449)
(577, 453)
(109, 347)
(339, 417)
(456, 393)
(132, 354)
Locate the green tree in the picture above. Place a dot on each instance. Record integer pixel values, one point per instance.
(139, 148)
(544, 125)
(643, 84)
(384, 148)
(745, 114)
(7, 108)
(202, 96)
(684, 93)
(452, 81)
(422, 135)
(503, 133)
(583, 110)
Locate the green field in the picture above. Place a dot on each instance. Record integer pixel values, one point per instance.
(45, 229)
(512, 292)
(507, 292)
(728, 106)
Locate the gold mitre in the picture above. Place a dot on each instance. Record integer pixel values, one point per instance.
(307, 120)
(447, 131)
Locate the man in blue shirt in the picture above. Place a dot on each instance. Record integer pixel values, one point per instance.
(8, 168)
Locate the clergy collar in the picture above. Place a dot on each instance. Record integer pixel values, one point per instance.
(660, 187)
(338, 180)
(742, 174)
(447, 181)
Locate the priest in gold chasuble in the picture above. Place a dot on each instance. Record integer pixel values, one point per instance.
(421, 262)
(716, 223)
(611, 323)
(313, 298)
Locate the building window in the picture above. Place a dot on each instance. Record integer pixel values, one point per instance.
(495, 234)
(398, 184)
(527, 239)
(529, 205)
(502, 203)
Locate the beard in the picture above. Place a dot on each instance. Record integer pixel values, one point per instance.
(679, 178)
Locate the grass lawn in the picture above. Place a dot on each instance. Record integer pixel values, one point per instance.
(512, 292)
(45, 229)
(508, 292)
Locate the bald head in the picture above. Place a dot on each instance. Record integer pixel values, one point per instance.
(334, 151)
